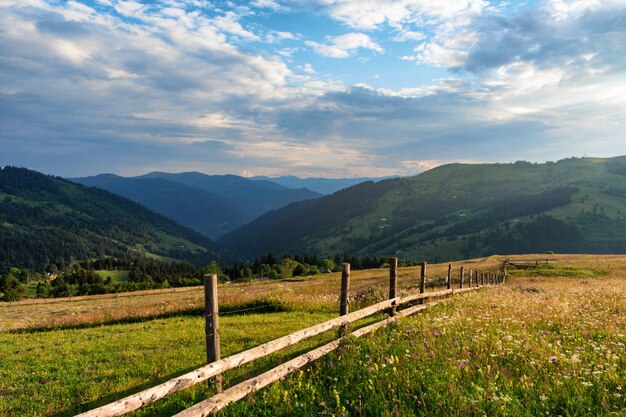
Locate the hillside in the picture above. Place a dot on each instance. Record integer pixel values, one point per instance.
(208, 213)
(253, 198)
(456, 211)
(45, 219)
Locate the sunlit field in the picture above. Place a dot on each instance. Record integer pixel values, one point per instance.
(549, 342)
(535, 347)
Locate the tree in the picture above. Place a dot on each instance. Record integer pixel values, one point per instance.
(287, 267)
(328, 264)
(43, 290)
(11, 289)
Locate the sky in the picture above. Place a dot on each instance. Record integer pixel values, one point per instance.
(314, 88)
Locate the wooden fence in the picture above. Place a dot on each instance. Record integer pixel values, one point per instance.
(216, 366)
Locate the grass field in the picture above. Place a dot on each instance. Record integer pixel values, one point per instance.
(117, 276)
(537, 346)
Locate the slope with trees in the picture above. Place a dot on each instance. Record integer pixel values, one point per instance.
(457, 211)
(44, 219)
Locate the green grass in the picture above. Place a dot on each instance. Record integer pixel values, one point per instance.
(117, 276)
(75, 370)
(556, 270)
(559, 351)
(543, 345)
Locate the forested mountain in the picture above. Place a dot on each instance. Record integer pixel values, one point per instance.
(456, 211)
(253, 198)
(208, 213)
(321, 185)
(45, 219)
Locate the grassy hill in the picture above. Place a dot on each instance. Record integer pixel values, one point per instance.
(457, 211)
(45, 219)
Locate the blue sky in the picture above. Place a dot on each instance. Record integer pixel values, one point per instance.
(333, 88)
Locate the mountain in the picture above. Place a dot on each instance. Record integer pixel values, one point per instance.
(45, 219)
(321, 185)
(254, 198)
(208, 213)
(456, 211)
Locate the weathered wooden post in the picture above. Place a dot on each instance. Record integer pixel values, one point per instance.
(449, 282)
(423, 280)
(212, 324)
(469, 278)
(504, 274)
(343, 305)
(461, 277)
(476, 279)
(393, 283)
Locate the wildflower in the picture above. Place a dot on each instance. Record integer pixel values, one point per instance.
(553, 359)
(436, 334)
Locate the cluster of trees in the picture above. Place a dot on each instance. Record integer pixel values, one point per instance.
(63, 279)
(13, 285)
(82, 278)
(271, 266)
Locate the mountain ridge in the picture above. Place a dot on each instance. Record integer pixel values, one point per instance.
(455, 211)
(210, 204)
(45, 219)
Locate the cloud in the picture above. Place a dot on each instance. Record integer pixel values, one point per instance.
(344, 45)
(127, 86)
(408, 35)
(229, 24)
(371, 14)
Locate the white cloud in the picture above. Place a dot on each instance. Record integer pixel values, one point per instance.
(344, 45)
(370, 14)
(407, 35)
(268, 4)
(229, 24)
(277, 37)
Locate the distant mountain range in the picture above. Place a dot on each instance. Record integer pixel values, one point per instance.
(210, 204)
(321, 185)
(451, 212)
(456, 211)
(46, 219)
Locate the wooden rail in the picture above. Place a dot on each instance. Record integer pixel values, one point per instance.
(213, 369)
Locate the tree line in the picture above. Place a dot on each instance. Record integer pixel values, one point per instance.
(101, 276)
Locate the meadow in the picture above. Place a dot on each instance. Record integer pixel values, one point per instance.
(549, 343)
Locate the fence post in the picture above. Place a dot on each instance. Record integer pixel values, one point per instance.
(504, 274)
(423, 280)
(461, 277)
(393, 283)
(469, 278)
(449, 276)
(212, 324)
(343, 306)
